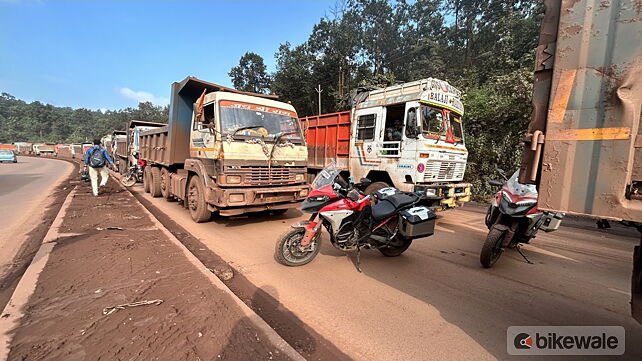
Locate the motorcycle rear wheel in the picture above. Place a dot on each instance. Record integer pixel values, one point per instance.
(492, 249)
(287, 250)
(394, 251)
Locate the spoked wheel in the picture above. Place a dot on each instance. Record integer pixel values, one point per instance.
(128, 179)
(492, 249)
(289, 251)
(396, 250)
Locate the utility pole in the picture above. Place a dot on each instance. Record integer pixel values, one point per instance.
(319, 90)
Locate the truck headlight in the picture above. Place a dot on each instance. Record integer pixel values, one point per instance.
(303, 193)
(299, 177)
(233, 179)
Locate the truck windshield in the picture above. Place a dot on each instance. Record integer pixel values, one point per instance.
(435, 125)
(260, 121)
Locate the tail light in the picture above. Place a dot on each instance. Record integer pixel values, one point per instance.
(142, 163)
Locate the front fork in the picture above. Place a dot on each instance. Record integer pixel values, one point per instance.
(508, 229)
(312, 230)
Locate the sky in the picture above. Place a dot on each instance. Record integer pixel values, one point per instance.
(113, 54)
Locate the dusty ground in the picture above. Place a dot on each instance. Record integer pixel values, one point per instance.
(435, 301)
(299, 335)
(101, 267)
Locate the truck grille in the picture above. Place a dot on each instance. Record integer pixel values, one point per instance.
(442, 171)
(257, 175)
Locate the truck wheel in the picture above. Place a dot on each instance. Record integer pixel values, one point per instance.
(164, 183)
(146, 179)
(154, 187)
(196, 200)
(375, 187)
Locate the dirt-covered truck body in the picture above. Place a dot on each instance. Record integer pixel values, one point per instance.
(226, 151)
(44, 149)
(584, 142)
(127, 142)
(409, 136)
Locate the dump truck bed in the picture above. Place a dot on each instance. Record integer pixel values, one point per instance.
(154, 146)
(328, 138)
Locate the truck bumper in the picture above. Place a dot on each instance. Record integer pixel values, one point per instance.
(447, 196)
(234, 201)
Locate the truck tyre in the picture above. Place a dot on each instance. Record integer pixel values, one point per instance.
(146, 179)
(375, 187)
(164, 183)
(154, 187)
(196, 200)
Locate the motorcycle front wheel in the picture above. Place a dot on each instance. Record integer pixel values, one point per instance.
(394, 251)
(492, 249)
(288, 251)
(128, 179)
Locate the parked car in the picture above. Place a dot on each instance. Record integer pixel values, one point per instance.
(8, 156)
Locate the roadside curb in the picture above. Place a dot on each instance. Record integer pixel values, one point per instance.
(271, 334)
(14, 310)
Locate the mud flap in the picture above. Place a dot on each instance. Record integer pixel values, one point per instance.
(636, 284)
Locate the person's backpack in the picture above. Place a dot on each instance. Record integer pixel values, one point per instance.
(96, 158)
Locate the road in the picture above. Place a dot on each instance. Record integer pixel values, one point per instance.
(24, 190)
(435, 301)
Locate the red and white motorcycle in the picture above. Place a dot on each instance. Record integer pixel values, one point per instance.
(513, 218)
(353, 221)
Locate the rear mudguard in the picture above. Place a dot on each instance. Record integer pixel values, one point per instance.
(312, 230)
(636, 284)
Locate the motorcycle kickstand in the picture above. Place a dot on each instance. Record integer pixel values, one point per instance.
(359, 259)
(519, 249)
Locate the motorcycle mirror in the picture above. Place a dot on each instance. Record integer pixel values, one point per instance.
(495, 183)
(365, 181)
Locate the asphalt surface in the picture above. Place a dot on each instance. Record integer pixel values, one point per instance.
(435, 301)
(25, 188)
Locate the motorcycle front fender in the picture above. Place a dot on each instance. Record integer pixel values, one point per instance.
(312, 230)
(509, 233)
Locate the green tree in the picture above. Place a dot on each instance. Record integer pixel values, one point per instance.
(251, 74)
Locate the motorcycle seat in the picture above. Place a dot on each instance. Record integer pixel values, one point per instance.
(390, 205)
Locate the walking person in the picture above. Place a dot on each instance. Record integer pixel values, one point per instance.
(97, 159)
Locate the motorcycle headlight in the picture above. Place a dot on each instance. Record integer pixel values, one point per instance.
(319, 198)
(507, 197)
(526, 203)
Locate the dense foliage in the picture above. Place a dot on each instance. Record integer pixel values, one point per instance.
(37, 122)
(251, 74)
(484, 47)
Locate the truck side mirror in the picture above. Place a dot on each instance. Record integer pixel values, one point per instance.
(412, 130)
(495, 183)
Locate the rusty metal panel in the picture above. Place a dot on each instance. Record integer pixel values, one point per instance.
(327, 137)
(590, 164)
